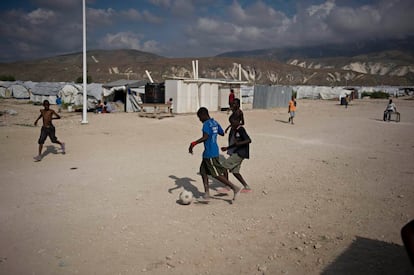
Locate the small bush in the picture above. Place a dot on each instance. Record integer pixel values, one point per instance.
(376, 94)
(80, 79)
(7, 78)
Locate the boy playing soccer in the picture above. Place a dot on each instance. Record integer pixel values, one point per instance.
(210, 164)
(48, 130)
(238, 150)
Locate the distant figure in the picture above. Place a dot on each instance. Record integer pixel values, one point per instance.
(407, 235)
(346, 101)
(231, 100)
(99, 107)
(210, 164)
(292, 109)
(236, 113)
(170, 105)
(59, 103)
(391, 108)
(107, 107)
(238, 149)
(48, 130)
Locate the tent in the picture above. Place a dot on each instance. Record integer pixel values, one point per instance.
(126, 91)
(73, 94)
(15, 89)
(45, 91)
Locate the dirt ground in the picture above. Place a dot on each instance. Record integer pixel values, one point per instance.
(330, 194)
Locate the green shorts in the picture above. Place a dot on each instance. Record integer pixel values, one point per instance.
(212, 166)
(232, 163)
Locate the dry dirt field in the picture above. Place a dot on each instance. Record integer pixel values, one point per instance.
(330, 194)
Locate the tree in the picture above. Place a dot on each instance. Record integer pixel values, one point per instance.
(80, 79)
(7, 78)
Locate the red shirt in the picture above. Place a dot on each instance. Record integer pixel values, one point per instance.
(231, 98)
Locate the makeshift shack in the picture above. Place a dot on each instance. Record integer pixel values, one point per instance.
(190, 94)
(128, 92)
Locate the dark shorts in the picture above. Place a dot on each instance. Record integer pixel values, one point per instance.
(212, 167)
(232, 163)
(47, 132)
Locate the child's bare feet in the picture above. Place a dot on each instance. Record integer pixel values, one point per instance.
(37, 158)
(223, 190)
(236, 191)
(246, 190)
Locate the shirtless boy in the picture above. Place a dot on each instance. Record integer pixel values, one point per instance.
(48, 130)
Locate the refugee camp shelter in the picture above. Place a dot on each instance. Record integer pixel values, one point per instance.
(126, 91)
(15, 89)
(72, 94)
(189, 94)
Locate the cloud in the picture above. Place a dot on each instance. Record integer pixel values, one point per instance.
(162, 3)
(40, 16)
(198, 27)
(258, 15)
(99, 17)
(128, 40)
(135, 15)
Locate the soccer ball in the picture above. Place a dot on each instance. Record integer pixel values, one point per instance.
(186, 197)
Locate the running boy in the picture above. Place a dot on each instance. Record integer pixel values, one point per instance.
(210, 164)
(48, 130)
(238, 150)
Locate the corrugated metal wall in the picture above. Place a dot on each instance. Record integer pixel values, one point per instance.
(266, 97)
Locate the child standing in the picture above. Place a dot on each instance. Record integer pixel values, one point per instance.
(48, 130)
(238, 150)
(210, 164)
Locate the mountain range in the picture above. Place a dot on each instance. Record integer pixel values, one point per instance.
(372, 63)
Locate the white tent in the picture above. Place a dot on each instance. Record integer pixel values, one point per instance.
(322, 92)
(73, 94)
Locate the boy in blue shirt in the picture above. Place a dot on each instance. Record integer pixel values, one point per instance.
(210, 164)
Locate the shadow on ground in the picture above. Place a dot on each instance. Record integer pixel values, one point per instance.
(282, 121)
(50, 149)
(369, 257)
(184, 183)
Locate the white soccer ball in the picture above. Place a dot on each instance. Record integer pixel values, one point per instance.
(186, 197)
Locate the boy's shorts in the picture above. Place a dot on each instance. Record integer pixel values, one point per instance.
(47, 132)
(232, 163)
(292, 113)
(212, 166)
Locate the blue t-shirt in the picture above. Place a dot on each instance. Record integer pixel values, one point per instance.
(212, 129)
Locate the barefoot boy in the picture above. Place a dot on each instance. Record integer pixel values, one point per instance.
(210, 164)
(238, 150)
(48, 130)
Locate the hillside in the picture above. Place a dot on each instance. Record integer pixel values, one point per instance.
(383, 68)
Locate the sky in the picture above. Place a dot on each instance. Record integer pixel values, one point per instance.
(32, 29)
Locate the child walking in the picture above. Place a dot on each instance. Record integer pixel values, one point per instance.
(292, 109)
(48, 130)
(210, 164)
(238, 150)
